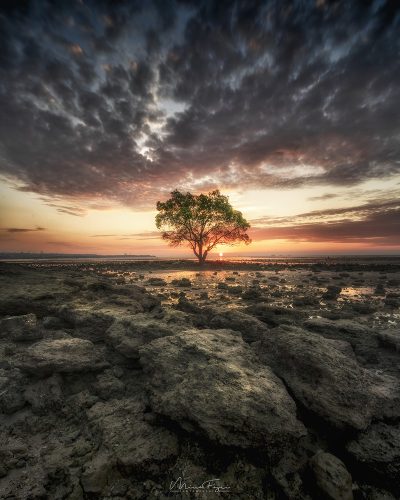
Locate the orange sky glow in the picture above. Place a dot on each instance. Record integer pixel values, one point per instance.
(287, 222)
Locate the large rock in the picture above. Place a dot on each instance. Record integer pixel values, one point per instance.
(20, 328)
(327, 380)
(127, 336)
(11, 391)
(97, 473)
(390, 339)
(144, 301)
(108, 386)
(343, 329)
(289, 469)
(131, 442)
(275, 315)
(211, 381)
(362, 338)
(27, 303)
(378, 450)
(251, 328)
(66, 355)
(45, 395)
(332, 480)
(53, 323)
(90, 324)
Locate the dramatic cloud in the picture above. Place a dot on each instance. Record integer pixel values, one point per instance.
(375, 223)
(123, 101)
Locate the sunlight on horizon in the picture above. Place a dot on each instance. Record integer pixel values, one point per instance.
(76, 226)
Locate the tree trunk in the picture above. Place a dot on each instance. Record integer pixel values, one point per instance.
(202, 257)
(200, 254)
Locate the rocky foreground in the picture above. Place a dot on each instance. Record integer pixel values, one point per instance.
(250, 384)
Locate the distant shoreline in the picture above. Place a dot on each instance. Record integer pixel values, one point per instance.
(15, 256)
(153, 264)
(27, 256)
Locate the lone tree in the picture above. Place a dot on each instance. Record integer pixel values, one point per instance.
(202, 221)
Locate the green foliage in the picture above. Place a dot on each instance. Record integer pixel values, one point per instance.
(202, 221)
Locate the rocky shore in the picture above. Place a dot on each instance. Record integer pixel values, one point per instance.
(141, 381)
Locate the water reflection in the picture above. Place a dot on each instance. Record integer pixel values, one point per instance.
(357, 292)
(300, 289)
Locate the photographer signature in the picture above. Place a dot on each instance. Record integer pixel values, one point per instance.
(210, 485)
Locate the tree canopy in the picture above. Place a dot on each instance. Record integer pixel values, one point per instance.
(202, 221)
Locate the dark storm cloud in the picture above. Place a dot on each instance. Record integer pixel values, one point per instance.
(126, 100)
(375, 223)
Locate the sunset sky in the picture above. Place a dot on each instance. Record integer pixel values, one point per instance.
(289, 108)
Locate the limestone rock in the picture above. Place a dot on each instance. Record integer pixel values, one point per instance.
(131, 442)
(378, 450)
(90, 324)
(60, 356)
(274, 315)
(45, 395)
(20, 328)
(11, 391)
(250, 328)
(108, 386)
(390, 339)
(326, 380)
(332, 479)
(97, 473)
(210, 379)
(362, 338)
(128, 336)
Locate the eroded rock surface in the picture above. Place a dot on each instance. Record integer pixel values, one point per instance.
(60, 356)
(127, 336)
(131, 442)
(20, 328)
(249, 327)
(332, 480)
(212, 380)
(327, 380)
(379, 449)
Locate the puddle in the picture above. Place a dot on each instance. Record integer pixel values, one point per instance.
(357, 292)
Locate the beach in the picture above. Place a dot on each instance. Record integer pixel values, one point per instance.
(265, 378)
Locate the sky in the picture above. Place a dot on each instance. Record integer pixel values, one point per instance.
(291, 108)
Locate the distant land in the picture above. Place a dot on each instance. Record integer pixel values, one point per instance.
(15, 256)
(29, 256)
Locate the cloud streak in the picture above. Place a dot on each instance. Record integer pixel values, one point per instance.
(23, 229)
(148, 235)
(372, 224)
